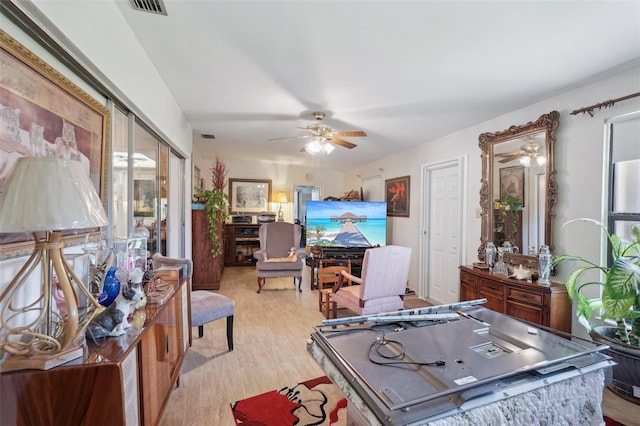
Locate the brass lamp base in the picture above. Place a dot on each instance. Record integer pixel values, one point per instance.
(41, 362)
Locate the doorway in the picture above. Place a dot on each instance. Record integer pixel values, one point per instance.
(302, 194)
(443, 229)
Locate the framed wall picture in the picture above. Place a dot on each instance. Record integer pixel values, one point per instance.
(512, 182)
(144, 196)
(43, 113)
(397, 192)
(249, 196)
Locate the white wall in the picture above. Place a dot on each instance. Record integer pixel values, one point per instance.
(579, 165)
(105, 39)
(283, 178)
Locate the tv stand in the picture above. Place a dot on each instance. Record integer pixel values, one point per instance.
(347, 253)
(336, 255)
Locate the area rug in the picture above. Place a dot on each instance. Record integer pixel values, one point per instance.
(313, 402)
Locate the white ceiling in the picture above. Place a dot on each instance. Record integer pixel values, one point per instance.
(404, 72)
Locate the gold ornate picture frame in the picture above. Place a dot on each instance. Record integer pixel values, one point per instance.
(43, 113)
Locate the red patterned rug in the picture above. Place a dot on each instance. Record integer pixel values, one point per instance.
(313, 402)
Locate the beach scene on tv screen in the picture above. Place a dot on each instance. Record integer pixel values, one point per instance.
(346, 223)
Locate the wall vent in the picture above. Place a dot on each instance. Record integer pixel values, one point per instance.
(151, 6)
(207, 136)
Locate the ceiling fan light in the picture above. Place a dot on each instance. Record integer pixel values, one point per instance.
(313, 146)
(541, 160)
(327, 148)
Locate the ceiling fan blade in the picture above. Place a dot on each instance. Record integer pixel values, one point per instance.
(290, 137)
(337, 141)
(513, 154)
(351, 133)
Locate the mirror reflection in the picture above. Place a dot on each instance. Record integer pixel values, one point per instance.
(518, 193)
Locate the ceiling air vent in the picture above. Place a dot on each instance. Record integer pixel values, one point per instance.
(151, 6)
(207, 136)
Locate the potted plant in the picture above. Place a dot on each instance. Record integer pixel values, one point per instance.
(619, 301)
(509, 204)
(216, 206)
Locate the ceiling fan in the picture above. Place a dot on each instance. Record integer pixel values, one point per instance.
(527, 152)
(321, 136)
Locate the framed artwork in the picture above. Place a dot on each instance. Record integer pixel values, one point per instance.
(512, 182)
(397, 192)
(144, 195)
(249, 196)
(196, 179)
(43, 113)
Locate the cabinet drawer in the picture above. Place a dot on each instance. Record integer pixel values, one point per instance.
(491, 287)
(525, 296)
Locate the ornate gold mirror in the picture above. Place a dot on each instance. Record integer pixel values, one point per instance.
(518, 192)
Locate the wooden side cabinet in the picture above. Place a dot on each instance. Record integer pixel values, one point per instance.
(547, 306)
(207, 271)
(241, 241)
(127, 380)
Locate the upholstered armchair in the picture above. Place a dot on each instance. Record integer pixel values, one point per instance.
(383, 282)
(279, 254)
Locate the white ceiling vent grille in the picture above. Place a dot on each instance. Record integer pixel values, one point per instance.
(151, 6)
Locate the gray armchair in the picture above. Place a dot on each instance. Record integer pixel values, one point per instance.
(273, 259)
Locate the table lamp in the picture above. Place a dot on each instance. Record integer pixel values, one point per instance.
(281, 198)
(46, 196)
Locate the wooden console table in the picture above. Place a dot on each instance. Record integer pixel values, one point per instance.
(126, 380)
(547, 306)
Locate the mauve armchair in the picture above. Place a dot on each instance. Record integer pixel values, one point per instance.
(276, 258)
(382, 286)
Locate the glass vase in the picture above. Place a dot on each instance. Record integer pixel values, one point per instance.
(501, 267)
(139, 230)
(490, 255)
(544, 264)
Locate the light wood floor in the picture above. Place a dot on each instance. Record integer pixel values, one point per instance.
(271, 330)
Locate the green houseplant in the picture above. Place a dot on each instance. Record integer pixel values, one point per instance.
(216, 206)
(619, 301)
(509, 204)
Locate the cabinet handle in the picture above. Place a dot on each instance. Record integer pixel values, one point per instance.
(525, 296)
(492, 287)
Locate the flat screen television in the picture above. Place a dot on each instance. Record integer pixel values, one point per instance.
(346, 223)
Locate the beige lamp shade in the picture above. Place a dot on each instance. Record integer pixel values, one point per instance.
(49, 194)
(281, 197)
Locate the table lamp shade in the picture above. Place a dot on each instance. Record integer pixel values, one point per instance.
(281, 197)
(49, 194)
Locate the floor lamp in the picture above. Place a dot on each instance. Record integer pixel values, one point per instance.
(46, 196)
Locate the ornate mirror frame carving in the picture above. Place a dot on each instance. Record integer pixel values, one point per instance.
(548, 124)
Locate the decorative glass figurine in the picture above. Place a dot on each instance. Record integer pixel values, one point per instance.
(139, 231)
(544, 264)
(490, 255)
(501, 267)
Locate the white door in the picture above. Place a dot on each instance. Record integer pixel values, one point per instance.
(443, 198)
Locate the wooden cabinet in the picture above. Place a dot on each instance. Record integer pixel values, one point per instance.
(126, 380)
(241, 241)
(547, 306)
(207, 271)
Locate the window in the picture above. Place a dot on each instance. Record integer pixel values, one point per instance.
(623, 207)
